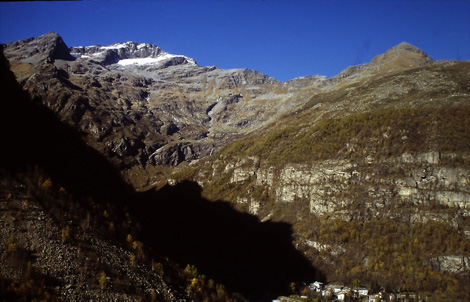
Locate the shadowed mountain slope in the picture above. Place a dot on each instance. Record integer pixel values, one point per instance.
(366, 173)
(33, 136)
(252, 258)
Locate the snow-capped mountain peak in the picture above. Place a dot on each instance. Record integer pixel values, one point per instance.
(130, 53)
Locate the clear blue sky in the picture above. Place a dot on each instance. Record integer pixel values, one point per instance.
(282, 38)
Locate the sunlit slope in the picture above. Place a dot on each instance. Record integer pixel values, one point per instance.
(425, 109)
(374, 176)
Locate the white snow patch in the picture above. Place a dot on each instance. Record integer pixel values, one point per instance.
(139, 61)
(114, 46)
(150, 61)
(118, 45)
(79, 55)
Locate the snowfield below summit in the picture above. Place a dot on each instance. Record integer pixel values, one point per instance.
(150, 61)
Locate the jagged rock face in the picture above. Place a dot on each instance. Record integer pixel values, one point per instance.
(133, 101)
(49, 46)
(453, 264)
(122, 52)
(380, 185)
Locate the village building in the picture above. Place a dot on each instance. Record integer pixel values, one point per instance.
(375, 298)
(316, 286)
(338, 292)
(342, 295)
(361, 291)
(335, 288)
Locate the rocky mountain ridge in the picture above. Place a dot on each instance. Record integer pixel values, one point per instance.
(171, 109)
(119, 52)
(401, 57)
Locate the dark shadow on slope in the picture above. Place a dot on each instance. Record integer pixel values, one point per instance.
(253, 258)
(31, 135)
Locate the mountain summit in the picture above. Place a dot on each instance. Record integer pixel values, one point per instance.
(130, 53)
(406, 47)
(49, 46)
(400, 57)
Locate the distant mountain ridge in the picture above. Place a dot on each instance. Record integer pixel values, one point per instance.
(167, 98)
(179, 111)
(52, 45)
